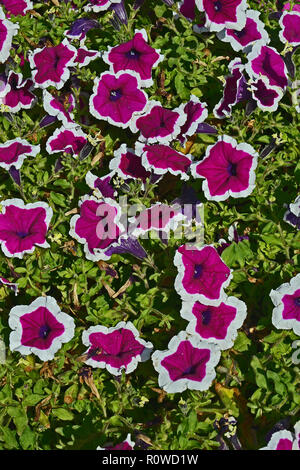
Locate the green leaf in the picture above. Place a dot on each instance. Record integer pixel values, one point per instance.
(237, 253)
(32, 399)
(63, 414)
(27, 439)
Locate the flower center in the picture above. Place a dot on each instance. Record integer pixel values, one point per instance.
(115, 95)
(206, 317)
(22, 234)
(241, 33)
(297, 301)
(44, 331)
(232, 169)
(197, 271)
(133, 54)
(189, 370)
(218, 6)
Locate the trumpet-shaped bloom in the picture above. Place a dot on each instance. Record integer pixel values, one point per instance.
(286, 298)
(135, 55)
(222, 14)
(117, 349)
(22, 226)
(98, 226)
(266, 96)
(217, 325)
(292, 215)
(128, 165)
(188, 363)
(66, 140)
(13, 152)
(18, 93)
(228, 169)
(117, 98)
(290, 27)
(40, 328)
(56, 107)
(7, 31)
(196, 113)
(202, 275)
(17, 7)
(266, 61)
(50, 65)
(101, 184)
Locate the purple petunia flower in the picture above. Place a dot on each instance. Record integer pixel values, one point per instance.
(128, 165)
(187, 8)
(222, 14)
(17, 7)
(40, 328)
(290, 28)
(292, 215)
(50, 64)
(187, 364)
(98, 226)
(55, 106)
(196, 112)
(252, 33)
(22, 226)
(85, 56)
(80, 27)
(217, 325)
(13, 152)
(66, 140)
(266, 96)
(266, 61)
(160, 217)
(202, 275)
(158, 124)
(163, 159)
(128, 444)
(117, 349)
(228, 169)
(284, 440)
(135, 55)
(235, 90)
(117, 98)
(129, 245)
(18, 93)
(11, 285)
(100, 5)
(7, 31)
(286, 298)
(101, 184)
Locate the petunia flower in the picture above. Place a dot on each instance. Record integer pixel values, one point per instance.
(158, 124)
(128, 165)
(135, 55)
(7, 31)
(188, 363)
(50, 65)
(252, 33)
(217, 325)
(228, 169)
(101, 184)
(286, 298)
(55, 106)
(120, 13)
(117, 98)
(98, 226)
(162, 159)
(196, 112)
(11, 285)
(13, 152)
(235, 89)
(117, 349)
(39, 328)
(187, 8)
(17, 7)
(18, 94)
(222, 14)
(284, 439)
(128, 444)
(80, 27)
(290, 28)
(85, 56)
(266, 96)
(159, 217)
(267, 62)
(66, 140)
(22, 226)
(127, 244)
(100, 5)
(202, 275)
(292, 215)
